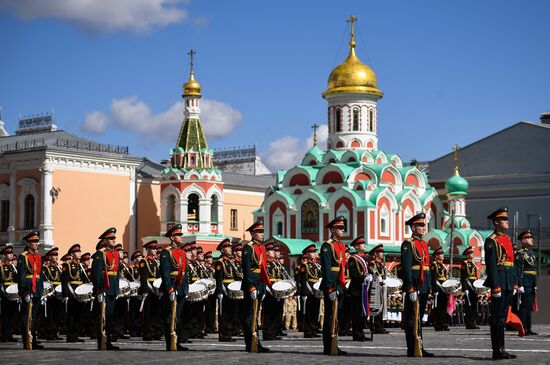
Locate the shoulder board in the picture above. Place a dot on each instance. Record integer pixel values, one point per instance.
(493, 236)
(330, 240)
(25, 253)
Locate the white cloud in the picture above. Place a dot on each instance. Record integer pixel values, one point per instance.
(102, 15)
(218, 119)
(288, 151)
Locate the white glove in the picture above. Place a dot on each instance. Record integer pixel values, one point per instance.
(521, 290)
(65, 300)
(413, 296)
(368, 278)
(466, 292)
(220, 297)
(332, 296)
(497, 295)
(254, 294)
(172, 296)
(43, 300)
(100, 298)
(27, 298)
(515, 291)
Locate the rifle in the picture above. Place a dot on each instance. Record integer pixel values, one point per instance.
(254, 341)
(333, 329)
(173, 335)
(417, 339)
(102, 333)
(29, 325)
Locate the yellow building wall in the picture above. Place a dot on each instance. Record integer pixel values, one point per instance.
(148, 210)
(87, 205)
(245, 203)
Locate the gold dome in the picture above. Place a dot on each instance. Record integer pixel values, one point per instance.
(352, 76)
(192, 87)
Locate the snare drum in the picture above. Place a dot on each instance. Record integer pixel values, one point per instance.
(84, 292)
(283, 289)
(234, 290)
(48, 289)
(134, 288)
(197, 292)
(450, 286)
(12, 293)
(210, 284)
(58, 292)
(479, 287)
(393, 284)
(123, 288)
(156, 286)
(317, 289)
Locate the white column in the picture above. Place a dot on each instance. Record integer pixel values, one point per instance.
(204, 216)
(13, 205)
(46, 227)
(132, 212)
(181, 216)
(220, 217)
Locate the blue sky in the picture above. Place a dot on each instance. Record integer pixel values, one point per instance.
(452, 71)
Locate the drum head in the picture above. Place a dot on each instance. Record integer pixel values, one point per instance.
(84, 289)
(235, 285)
(134, 285)
(196, 287)
(317, 285)
(157, 283)
(393, 282)
(479, 283)
(123, 283)
(58, 289)
(281, 285)
(47, 285)
(12, 289)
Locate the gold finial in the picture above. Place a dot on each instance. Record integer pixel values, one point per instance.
(352, 19)
(315, 126)
(191, 53)
(456, 148)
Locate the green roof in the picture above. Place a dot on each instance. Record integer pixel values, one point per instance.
(294, 245)
(316, 152)
(456, 185)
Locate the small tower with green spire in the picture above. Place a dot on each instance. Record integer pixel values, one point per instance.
(457, 189)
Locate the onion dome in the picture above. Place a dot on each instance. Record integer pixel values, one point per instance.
(192, 87)
(456, 185)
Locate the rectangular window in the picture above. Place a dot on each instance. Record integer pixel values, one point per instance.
(234, 220)
(4, 215)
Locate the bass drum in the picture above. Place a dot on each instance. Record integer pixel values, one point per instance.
(210, 284)
(84, 293)
(479, 287)
(12, 293)
(283, 289)
(48, 289)
(393, 284)
(451, 286)
(197, 292)
(317, 289)
(234, 290)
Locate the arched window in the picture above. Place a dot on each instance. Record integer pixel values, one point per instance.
(338, 119)
(279, 228)
(355, 119)
(193, 208)
(384, 221)
(29, 212)
(371, 121)
(171, 209)
(310, 217)
(214, 209)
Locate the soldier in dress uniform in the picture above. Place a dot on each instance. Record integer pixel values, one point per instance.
(198, 308)
(299, 290)
(173, 271)
(333, 266)
(526, 267)
(210, 308)
(255, 280)
(359, 277)
(284, 275)
(87, 318)
(469, 274)
(105, 277)
(8, 308)
(185, 330)
(73, 275)
(51, 272)
(120, 315)
(29, 279)
(236, 260)
(310, 274)
(439, 275)
(150, 306)
(415, 262)
(269, 304)
(501, 279)
(225, 274)
(378, 267)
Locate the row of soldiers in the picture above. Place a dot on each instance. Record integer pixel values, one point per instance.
(344, 289)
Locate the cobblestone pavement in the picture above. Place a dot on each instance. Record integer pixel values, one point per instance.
(454, 347)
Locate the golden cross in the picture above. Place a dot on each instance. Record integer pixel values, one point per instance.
(315, 126)
(352, 19)
(191, 53)
(456, 148)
